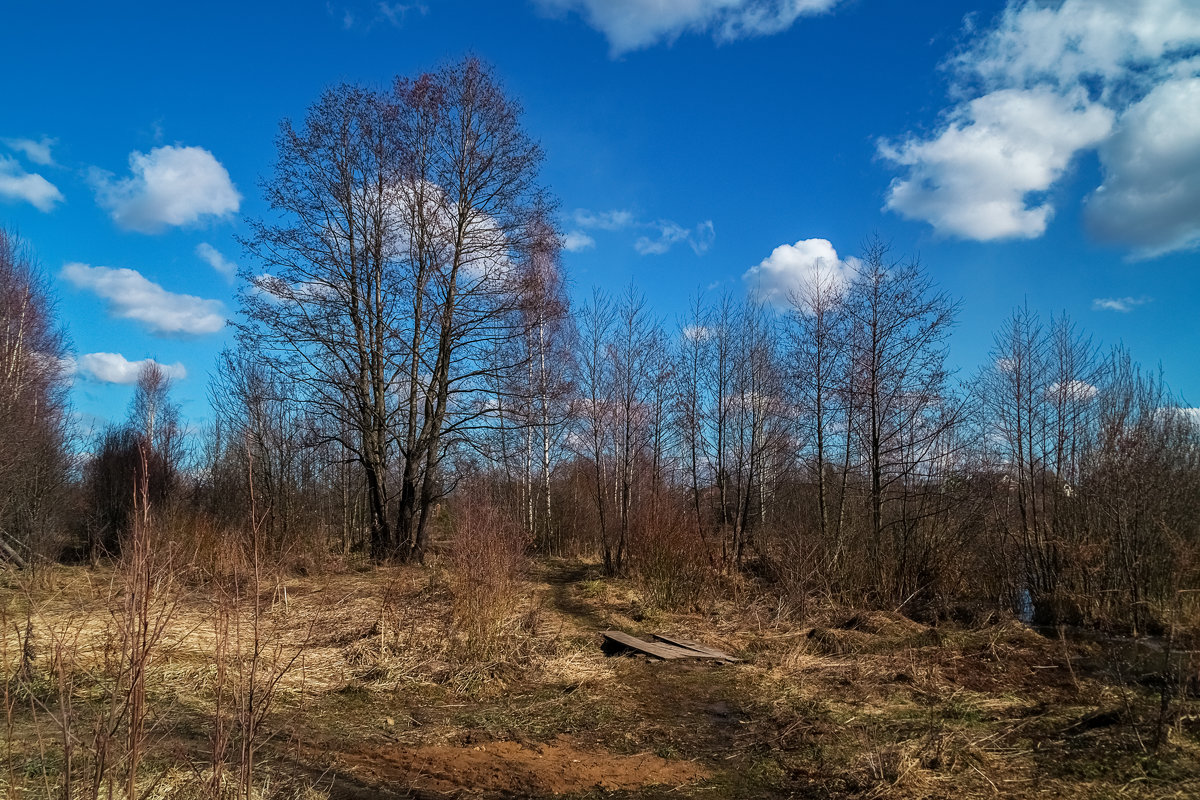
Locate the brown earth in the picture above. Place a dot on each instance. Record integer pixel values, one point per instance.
(556, 767)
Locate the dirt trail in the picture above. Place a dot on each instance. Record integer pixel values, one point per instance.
(505, 767)
(492, 761)
(563, 578)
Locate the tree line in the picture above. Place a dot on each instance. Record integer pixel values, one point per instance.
(407, 352)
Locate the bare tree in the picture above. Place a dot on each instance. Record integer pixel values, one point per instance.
(718, 380)
(898, 343)
(756, 410)
(298, 464)
(1038, 400)
(1140, 485)
(473, 208)
(34, 380)
(155, 416)
(817, 368)
(631, 353)
(391, 276)
(327, 307)
(548, 344)
(691, 358)
(145, 451)
(596, 386)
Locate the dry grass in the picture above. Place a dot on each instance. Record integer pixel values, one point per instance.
(839, 704)
(486, 569)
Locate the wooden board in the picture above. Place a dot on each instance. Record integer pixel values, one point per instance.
(688, 644)
(623, 641)
(619, 640)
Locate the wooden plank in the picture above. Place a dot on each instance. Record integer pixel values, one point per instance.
(656, 649)
(688, 644)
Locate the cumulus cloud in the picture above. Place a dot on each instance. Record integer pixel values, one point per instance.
(667, 234)
(792, 266)
(1150, 197)
(38, 152)
(975, 179)
(129, 295)
(18, 185)
(115, 368)
(1121, 304)
(214, 259)
(1118, 42)
(1044, 83)
(575, 241)
(169, 186)
(635, 24)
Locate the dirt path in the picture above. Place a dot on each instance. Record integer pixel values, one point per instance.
(564, 579)
(516, 769)
(615, 733)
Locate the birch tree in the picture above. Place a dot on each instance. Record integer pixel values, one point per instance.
(34, 380)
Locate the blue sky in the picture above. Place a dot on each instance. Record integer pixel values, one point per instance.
(1025, 153)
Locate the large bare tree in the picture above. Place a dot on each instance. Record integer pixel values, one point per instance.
(389, 280)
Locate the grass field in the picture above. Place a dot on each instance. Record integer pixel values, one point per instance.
(376, 692)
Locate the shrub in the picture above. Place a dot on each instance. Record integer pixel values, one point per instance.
(670, 561)
(487, 564)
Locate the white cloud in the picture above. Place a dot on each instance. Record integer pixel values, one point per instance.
(169, 186)
(1117, 41)
(367, 15)
(396, 13)
(1150, 197)
(975, 179)
(791, 266)
(668, 234)
(214, 259)
(661, 235)
(17, 184)
(1115, 76)
(115, 368)
(1121, 304)
(38, 152)
(604, 220)
(129, 295)
(1072, 390)
(575, 241)
(634, 24)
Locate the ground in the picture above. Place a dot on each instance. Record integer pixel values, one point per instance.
(383, 699)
